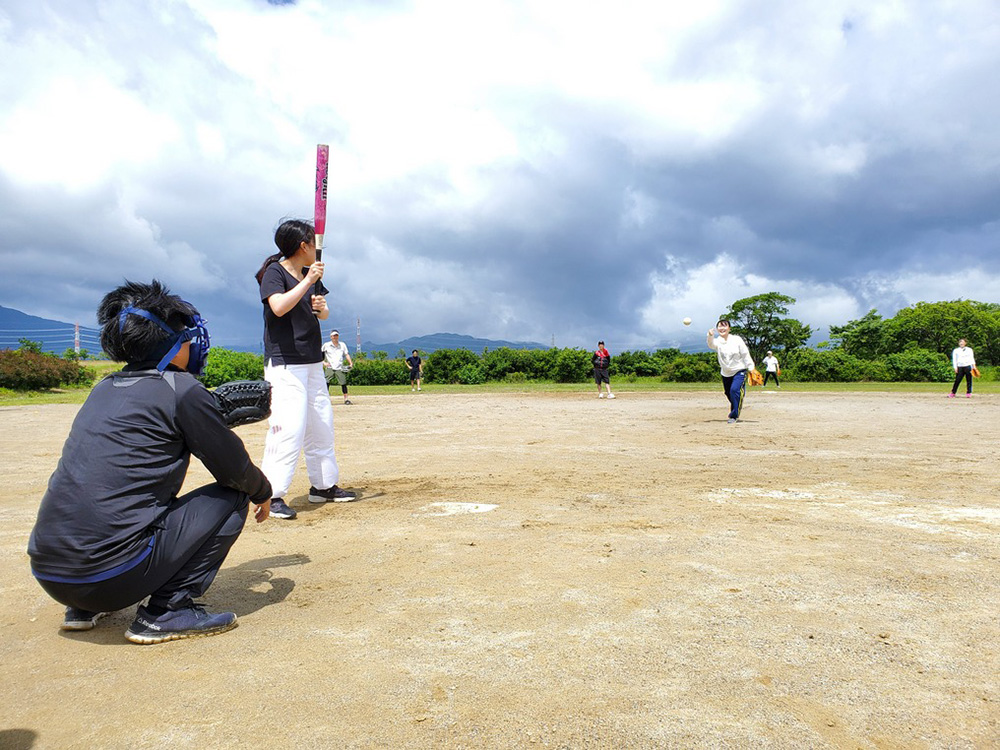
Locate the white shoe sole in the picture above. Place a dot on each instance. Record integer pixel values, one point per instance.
(146, 640)
(319, 500)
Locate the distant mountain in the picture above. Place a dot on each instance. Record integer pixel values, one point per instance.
(57, 336)
(431, 342)
(54, 335)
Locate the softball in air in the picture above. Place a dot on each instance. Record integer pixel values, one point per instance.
(687, 321)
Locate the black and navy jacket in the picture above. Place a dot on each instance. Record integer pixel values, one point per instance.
(122, 466)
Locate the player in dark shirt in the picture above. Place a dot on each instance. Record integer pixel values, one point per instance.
(601, 360)
(293, 299)
(416, 367)
(111, 528)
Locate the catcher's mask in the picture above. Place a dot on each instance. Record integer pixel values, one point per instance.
(196, 333)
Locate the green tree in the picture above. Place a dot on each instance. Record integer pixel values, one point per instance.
(639, 363)
(27, 345)
(700, 367)
(443, 365)
(573, 366)
(71, 354)
(917, 365)
(761, 321)
(938, 326)
(866, 338)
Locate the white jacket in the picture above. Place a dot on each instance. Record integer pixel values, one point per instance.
(733, 354)
(962, 356)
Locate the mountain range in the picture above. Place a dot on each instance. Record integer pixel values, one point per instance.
(57, 336)
(433, 341)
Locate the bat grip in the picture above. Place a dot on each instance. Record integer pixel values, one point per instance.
(319, 254)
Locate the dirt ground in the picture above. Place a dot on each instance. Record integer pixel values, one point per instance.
(558, 571)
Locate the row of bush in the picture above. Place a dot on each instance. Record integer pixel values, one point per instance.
(573, 366)
(24, 369)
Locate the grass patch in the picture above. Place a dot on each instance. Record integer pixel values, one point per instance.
(78, 394)
(75, 394)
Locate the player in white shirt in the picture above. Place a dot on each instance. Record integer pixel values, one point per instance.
(334, 354)
(962, 361)
(734, 361)
(771, 368)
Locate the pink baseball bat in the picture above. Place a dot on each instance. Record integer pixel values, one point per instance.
(322, 171)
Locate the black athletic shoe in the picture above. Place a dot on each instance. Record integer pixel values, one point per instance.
(280, 510)
(80, 619)
(191, 622)
(334, 494)
(347, 402)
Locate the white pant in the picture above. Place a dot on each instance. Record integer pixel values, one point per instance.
(301, 419)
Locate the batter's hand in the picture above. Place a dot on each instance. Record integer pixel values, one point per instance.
(315, 272)
(319, 304)
(262, 512)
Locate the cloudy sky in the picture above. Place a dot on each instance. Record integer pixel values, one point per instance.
(538, 170)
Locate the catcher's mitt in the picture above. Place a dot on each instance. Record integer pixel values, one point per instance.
(243, 401)
(754, 378)
(975, 372)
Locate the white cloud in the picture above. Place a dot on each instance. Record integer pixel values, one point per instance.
(971, 283)
(705, 292)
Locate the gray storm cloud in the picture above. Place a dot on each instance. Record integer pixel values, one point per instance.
(512, 171)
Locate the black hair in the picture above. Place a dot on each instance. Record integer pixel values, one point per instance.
(414, 351)
(137, 338)
(288, 237)
(726, 321)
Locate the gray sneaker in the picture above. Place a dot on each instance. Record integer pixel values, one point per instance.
(279, 509)
(190, 622)
(80, 619)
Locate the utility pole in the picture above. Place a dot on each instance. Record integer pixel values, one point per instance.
(357, 347)
(76, 339)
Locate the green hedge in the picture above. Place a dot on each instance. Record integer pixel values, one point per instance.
(379, 372)
(224, 366)
(574, 366)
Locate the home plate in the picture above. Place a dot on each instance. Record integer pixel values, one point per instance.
(454, 509)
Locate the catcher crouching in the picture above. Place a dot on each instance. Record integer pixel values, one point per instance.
(111, 528)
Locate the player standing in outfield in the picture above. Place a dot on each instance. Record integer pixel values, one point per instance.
(416, 368)
(111, 529)
(293, 298)
(602, 361)
(963, 360)
(335, 352)
(734, 361)
(771, 365)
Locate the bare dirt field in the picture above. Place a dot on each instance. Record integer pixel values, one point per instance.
(558, 571)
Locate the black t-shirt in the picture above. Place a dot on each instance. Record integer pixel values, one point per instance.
(122, 466)
(413, 362)
(293, 338)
